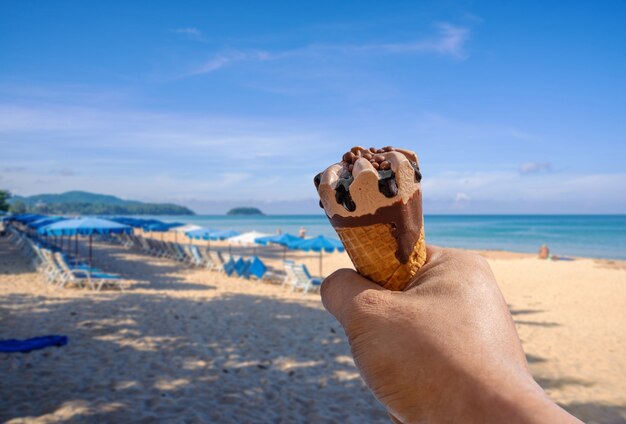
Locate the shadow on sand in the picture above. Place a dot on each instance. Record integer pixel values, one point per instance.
(238, 358)
(588, 412)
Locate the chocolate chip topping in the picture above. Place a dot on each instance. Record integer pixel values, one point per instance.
(342, 194)
(317, 180)
(373, 155)
(387, 184)
(418, 174)
(349, 157)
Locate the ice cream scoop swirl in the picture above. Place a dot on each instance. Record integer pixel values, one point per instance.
(345, 188)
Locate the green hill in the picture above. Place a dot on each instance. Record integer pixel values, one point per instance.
(85, 203)
(244, 211)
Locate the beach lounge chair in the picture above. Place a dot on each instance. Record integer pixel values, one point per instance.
(208, 262)
(217, 261)
(240, 266)
(256, 269)
(51, 270)
(95, 279)
(291, 277)
(196, 256)
(229, 266)
(304, 280)
(260, 271)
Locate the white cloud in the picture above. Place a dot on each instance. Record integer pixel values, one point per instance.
(534, 167)
(449, 41)
(461, 199)
(511, 192)
(225, 59)
(158, 155)
(434, 126)
(172, 157)
(193, 33)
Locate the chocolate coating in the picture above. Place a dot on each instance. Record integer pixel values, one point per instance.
(388, 187)
(405, 221)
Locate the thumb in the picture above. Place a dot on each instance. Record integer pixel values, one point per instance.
(341, 288)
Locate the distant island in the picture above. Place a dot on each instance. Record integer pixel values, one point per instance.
(85, 203)
(244, 211)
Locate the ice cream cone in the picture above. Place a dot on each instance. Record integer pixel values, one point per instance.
(371, 249)
(374, 203)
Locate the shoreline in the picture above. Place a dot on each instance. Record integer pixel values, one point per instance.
(487, 253)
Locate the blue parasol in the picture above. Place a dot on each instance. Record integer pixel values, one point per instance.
(85, 226)
(284, 239)
(318, 244)
(223, 235)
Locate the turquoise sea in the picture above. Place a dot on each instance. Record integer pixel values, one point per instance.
(598, 236)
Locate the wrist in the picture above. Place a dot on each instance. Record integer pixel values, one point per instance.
(516, 400)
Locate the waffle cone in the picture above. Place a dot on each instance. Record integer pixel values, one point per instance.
(372, 250)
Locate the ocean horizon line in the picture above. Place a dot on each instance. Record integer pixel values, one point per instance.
(426, 214)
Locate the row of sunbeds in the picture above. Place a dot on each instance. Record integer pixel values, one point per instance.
(61, 269)
(295, 275)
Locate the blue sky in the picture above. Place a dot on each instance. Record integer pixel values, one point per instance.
(513, 107)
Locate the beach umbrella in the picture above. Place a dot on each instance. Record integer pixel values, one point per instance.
(133, 222)
(248, 239)
(25, 218)
(85, 226)
(318, 244)
(45, 221)
(162, 227)
(185, 229)
(200, 234)
(282, 239)
(35, 225)
(223, 235)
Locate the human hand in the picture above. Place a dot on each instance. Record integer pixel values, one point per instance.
(445, 349)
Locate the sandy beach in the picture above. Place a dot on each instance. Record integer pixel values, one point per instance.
(189, 345)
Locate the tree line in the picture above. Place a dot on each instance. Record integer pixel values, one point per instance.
(84, 208)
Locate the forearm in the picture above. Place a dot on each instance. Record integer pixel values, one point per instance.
(517, 401)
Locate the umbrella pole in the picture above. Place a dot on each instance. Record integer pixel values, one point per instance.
(90, 236)
(76, 249)
(285, 253)
(321, 250)
(229, 249)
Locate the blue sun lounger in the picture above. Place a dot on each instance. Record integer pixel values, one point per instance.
(14, 345)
